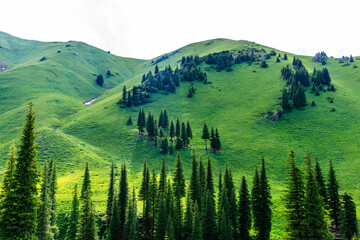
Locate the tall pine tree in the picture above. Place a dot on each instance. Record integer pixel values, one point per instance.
(348, 222)
(333, 197)
(244, 211)
(74, 217)
(205, 134)
(265, 202)
(123, 197)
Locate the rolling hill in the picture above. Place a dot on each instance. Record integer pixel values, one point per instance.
(235, 103)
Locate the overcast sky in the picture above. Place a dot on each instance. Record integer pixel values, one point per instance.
(148, 28)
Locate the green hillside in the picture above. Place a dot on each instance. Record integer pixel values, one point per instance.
(234, 102)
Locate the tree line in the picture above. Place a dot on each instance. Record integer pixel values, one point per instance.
(172, 134)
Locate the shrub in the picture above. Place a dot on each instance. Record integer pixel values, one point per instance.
(313, 103)
(43, 59)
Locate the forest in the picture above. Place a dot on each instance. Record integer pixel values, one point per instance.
(170, 208)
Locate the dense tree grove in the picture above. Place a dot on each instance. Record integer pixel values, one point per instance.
(165, 214)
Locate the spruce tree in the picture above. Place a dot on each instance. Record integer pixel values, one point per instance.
(256, 202)
(43, 217)
(164, 146)
(86, 224)
(202, 179)
(140, 121)
(161, 119)
(188, 130)
(333, 197)
(314, 217)
(52, 194)
(209, 219)
(74, 217)
(265, 227)
(9, 170)
(129, 100)
(196, 233)
(229, 189)
(188, 218)
(212, 140)
(244, 211)
(178, 144)
(183, 136)
(144, 188)
(209, 178)
(294, 199)
(177, 128)
(150, 125)
(205, 134)
(19, 204)
(172, 130)
(178, 180)
(217, 140)
(147, 220)
(348, 222)
(166, 119)
(169, 199)
(195, 191)
(163, 179)
(110, 195)
(285, 100)
(130, 231)
(320, 181)
(224, 222)
(161, 220)
(123, 197)
(153, 198)
(124, 95)
(114, 232)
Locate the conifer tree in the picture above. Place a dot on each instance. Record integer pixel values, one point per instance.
(140, 121)
(217, 140)
(348, 222)
(178, 180)
(220, 186)
(333, 197)
(212, 140)
(166, 119)
(156, 69)
(150, 125)
(178, 144)
(161, 220)
(285, 100)
(196, 233)
(188, 130)
(202, 179)
(161, 119)
(314, 221)
(265, 227)
(209, 221)
(184, 137)
(86, 224)
(205, 134)
(153, 198)
(114, 231)
(74, 217)
(188, 218)
(43, 217)
(294, 199)
(169, 201)
(320, 181)
(9, 170)
(172, 130)
(244, 211)
(256, 202)
(123, 197)
(110, 195)
(130, 231)
(209, 178)
(129, 100)
(229, 189)
(19, 204)
(163, 179)
(195, 193)
(144, 188)
(225, 231)
(124, 95)
(170, 231)
(177, 128)
(285, 57)
(156, 133)
(147, 220)
(164, 146)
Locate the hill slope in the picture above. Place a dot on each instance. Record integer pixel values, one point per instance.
(234, 103)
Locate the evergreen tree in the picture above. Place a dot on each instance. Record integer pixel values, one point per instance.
(285, 57)
(178, 180)
(86, 224)
(256, 202)
(244, 211)
(129, 100)
(43, 217)
(166, 119)
(178, 144)
(161, 119)
(141, 120)
(123, 197)
(205, 134)
(196, 233)
(130, 231)
(209, 178)
(150, 125)
(156, 69)
(124, 95)
(114, 232)
(314, 220)
(9, 170)
(144, 188)
(161, 222)
(177, 128)
(172, 129)
(188, 130)
(333, 197)
(294, 199)
(110, 195)
(212, 140)
(129, 121)
(209, 221)
(202, 179)
(74, 217)
(229, 189)
(195, 193)
(19, 204)
(188, 218)
(164, 147)
(153, 198)
(265, 227)
(162, 181)
(52, 193)
(147, 220)
(320, 181)
(351, 58)
(285, 100)
(348, 222)
(225, 231)
(183, 134)
(169, 201)
(217, 140)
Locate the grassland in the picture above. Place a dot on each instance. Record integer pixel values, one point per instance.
(234, 103)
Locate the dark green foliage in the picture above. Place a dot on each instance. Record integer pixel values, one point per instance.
(110, 195)
(19, 204)
(162, 181)
(177, 128)
(348, 222)
(179, 143)
(169, 201)
(229, 189)
(164, 145)
(302, 75)
(129, 100)
(212, 140)
(141, 122)
(205, 134)
(333, 197)
(156, 69)
(209, 220)
(114, 231)
(287, 73)
(9, 170)
(320, 181)
(153, 198)
(108, 73)
(166, 119)
(123, 197)
(188, 218)
(100, 80)
(74, 217)
(313, 103)
(43, 214)
(188, 131)
(244, 216)
(172, 129)
(62, 222)
(256, 201)
(277, 60)
(351, 58)
(196, 233)
(263, 64)
(195, 191)
(209, 178)
(285, 57)
(314, 217)
(285, 100)
(161, 222)
(144, 188)
(183, 135)
(178, 180)
(332, 88)
(202, 179)
(224, 223)
(129, 121)
(130, 231)
(52, 195)
(217, 140)
(150, 125)
(317, 93)
(86, 224)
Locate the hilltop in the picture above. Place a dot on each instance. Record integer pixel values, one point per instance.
(235, 103)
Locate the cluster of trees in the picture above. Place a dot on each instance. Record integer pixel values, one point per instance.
(293, 97)
(134, 97)
(100, 80)
(214, 138)
(308, 198)
(300, 75)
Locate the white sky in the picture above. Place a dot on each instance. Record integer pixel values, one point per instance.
(148, 28)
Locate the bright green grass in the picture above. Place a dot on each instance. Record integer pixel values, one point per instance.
(233, 103)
